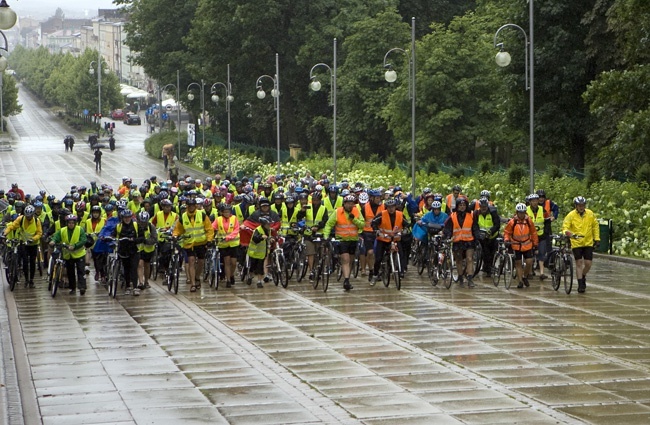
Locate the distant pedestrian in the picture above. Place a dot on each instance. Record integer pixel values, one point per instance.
(71, 143)
(66, 142)
(98, 160)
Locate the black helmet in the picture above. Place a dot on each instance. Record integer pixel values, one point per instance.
(265, 220)
(541, 193)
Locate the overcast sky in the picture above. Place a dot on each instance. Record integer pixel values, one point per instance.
(42, 9)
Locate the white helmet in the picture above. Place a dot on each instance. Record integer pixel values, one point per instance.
(521, 207)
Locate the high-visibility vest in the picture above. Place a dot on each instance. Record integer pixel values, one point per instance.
(238, 213)
(163, 222)
(327, 203)
(73, 239)
(386, 230)
(222, 232)
(30, 230)
(143, 246)
(310, 221)
(286, 220)
(521, 237)
(369, 215)
(486, 223)
(538, 219)
(94, 227)
(464, 232)
(194, 229)
(258, 250)
(345, 228)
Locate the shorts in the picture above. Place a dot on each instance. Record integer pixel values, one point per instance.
(197, 251)
(369, 240)
(541, 249)
(230, 251)
(146, 256)
(347, 247)
(257, 266)
(310, 248)
(523, 254)
(586, 252)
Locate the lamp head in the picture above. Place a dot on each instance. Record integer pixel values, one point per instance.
(230, 98)
(215, 98)
(503, 58)
(275, 93)
(190, 96)
(91, 70)
(261, 94)
(315, 85)
(7, 16)
(3, 64)
(390, 76)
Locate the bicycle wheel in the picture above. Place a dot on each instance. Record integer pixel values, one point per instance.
(433, 267)
(445, 270)
(114, 278)
(39, 261)
(385, 270)
(453, 267)
(283, 272)
(303, 264)
(507, 271)
(56, 279)
(153, 268)
(176, 276)
(395, 264)
(291, 262)
(422, 258)
(338, 269)
(356, 264)
(567, 273)
(318, 271)
(477, 258)
(556, 270)
(13, 272)
(327, 270)
(497, 268)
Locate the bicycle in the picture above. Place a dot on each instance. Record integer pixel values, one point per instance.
(55, 269)
(212, 268)
(154, 265)
(502, 265)
(322, 262)
(561, 262)
(447, 263)
(390, 263)
(356, 263)
(278, 263)
(12, 261)
(114, 267)
(172, 274)
(435, 258)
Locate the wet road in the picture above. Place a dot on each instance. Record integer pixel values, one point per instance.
(244, 355)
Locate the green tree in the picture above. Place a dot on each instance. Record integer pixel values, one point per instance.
(10, 104)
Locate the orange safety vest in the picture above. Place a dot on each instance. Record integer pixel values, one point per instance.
(369, 215)
(386, 230)
(547, 206)
(463, 233)
(521, 236)
(448, 200)
(345, 228)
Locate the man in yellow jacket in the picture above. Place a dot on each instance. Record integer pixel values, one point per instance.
(196, 225)
(582, 223)
(27, 227)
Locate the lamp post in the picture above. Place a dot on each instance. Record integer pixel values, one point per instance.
(391, 77)
(503, 59)
(178, 110)
(229, 99)
(316, 86)
(3, 67)
(275, 92)
(190, 96)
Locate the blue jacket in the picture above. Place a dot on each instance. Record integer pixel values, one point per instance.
(103, 246)
(420, 232)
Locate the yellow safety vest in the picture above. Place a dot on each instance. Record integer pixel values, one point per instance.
(257, 250)
(165, 223)
(485, 223)
(538, 219)
(194, 229)
(222, 232)
(66, 239)
(310, 221)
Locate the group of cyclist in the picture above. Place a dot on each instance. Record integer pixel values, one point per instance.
(86, 221)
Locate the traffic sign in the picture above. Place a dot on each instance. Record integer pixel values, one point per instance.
(168, 107)
(85, 111)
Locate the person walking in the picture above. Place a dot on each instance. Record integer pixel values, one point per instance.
(98, 160)
(582, 223)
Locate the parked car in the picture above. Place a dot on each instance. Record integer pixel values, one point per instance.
(118, 114)
(132, 119)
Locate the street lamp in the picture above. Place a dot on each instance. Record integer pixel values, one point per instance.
(178, 110)
(3, 67)
(275, 92)
(391, 77)
(91, 71)
(316, 86)
(7, 16)
(229, 99)
(503, 59)
(190, 96)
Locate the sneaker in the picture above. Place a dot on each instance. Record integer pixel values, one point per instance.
(141, 286)
(87, 270)
(259, 284)
(267, 278)
(542, 276)
(82, 292)
(520, 285)
(401, 275)
(373, 279)
(371, 276)
(470, 282)
(72, 292)
(525, 281)
(127, 291)
(461, 281)
(582, 285)
(146, 285)
(31, 283)
(228, 284)
(136, 292)
(311, 276)
(346, 285)
(232, 281)
(97, 277)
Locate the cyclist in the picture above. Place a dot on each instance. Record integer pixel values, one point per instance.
(452, 198)
(93, 226)
(388, 225)
(28, 228)
(346, 221)
(582, 222)
(463, 230)
(373, 207)
(226, 228)
(315, 216)
(435, 216)
(73, 237)
(521, 234)
(258, 248)
(539, 217)
(196, 225)
(489, 224)
(128, 250)
(332, 201)
(146, 248)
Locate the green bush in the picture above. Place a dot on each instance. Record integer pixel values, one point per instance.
(457, 173)
(554, 172)
(484, 166)
(516, 173)
(431, 166)
(643, 174)
(592, 175)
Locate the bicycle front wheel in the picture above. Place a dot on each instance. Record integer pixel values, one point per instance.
(356, 264)
(556, 270)
(303, 264)
(283, 271)
(13, 272)
(445, 270)
(56, 279)
(385, 270)
(508, 270)
(497, 268)
(327, 271)
(115, 278)
(477, 259)
(567, 273)
(394, 259)
(453, 267)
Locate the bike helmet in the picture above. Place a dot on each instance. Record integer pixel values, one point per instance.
(68, 203)
(325, 181)
(436, 205)
(265, 220)
(317, 195)
(577, 200)
(238, 198)
(303, 195)
(38, 204)
(397, 188)
(485, 193)
(426, 190)
(121, 204)
(541, 193)
(81, 206)
(345, 184)
(222, 206)
(191, 201)
(363, 197)
(29, 211)
(19, 204)
(533, 196)
(95, 208)
(290, 200)
(50, 198)
(143, 216)
(483, 202)
(374, 192)
(166, 203)
(133, 186)
(278, 196)
(318, 188)
(345, 192)
(71, 217)
(82, 188)
(199, 201)
(390, 203)
(456, 187)
(163, 195)
(462, 200)
(333, 189)
(264, 201)
(521, 207)
(42, 192)
(207, 202)
(349, 198)
(126, 213)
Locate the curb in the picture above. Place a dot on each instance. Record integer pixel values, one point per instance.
(626, 260)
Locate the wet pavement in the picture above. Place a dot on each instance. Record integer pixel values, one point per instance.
(375, 355)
